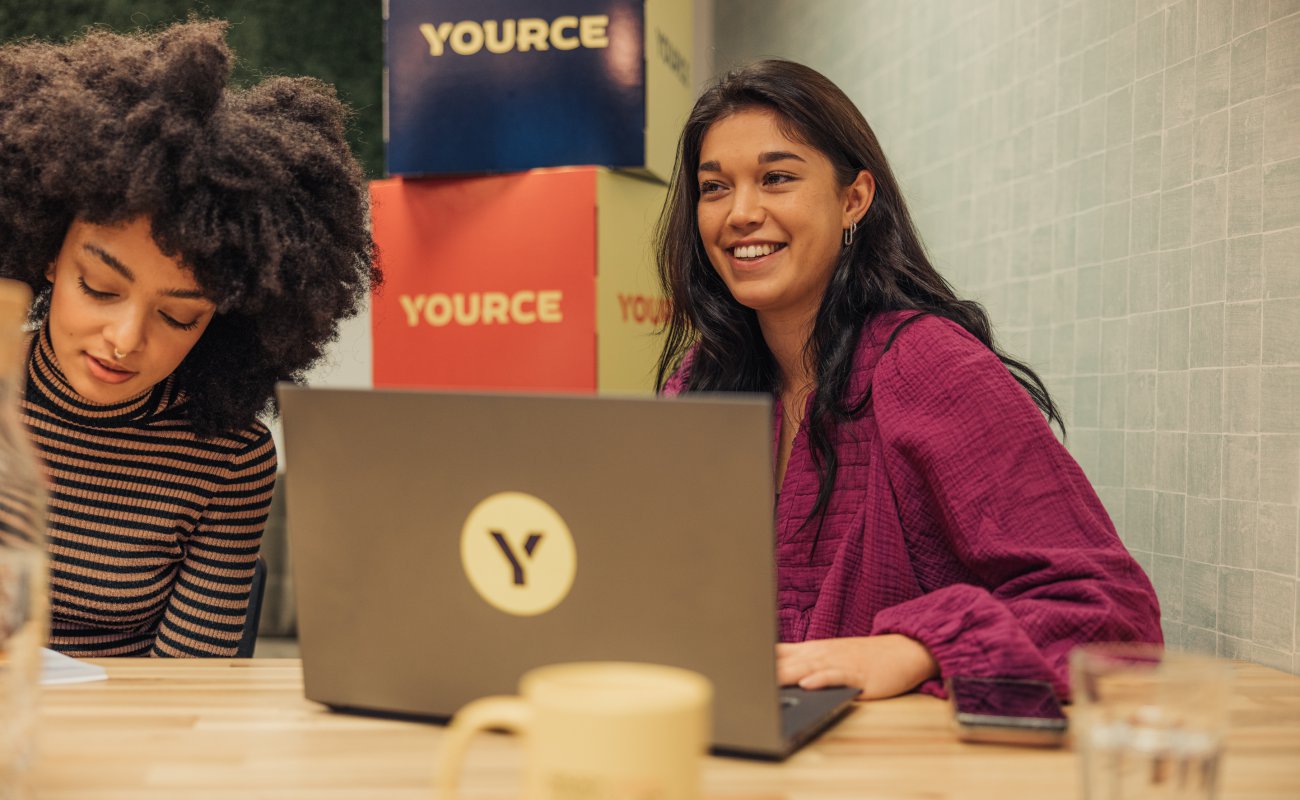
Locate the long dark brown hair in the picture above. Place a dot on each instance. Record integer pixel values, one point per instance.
(885, 269)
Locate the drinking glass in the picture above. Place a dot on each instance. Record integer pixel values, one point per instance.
(1148, 723)
(23, 576)
(21, 634)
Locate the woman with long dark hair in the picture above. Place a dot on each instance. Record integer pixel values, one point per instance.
(929, 524)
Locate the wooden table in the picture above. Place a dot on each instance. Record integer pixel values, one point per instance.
(241, 729)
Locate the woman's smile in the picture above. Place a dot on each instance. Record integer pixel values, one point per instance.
(753, 253)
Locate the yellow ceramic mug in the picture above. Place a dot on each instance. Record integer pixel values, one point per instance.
(594, 731)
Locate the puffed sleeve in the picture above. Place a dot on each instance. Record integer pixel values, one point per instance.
(985, 475)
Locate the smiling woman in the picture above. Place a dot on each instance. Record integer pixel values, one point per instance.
(928, 522)
(189, 245)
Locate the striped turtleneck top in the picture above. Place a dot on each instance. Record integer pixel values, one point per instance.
(153, 532)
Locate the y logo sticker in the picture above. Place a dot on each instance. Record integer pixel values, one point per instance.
(530, 544)
(518, 553)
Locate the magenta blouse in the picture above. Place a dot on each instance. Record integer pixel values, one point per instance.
(957, 519)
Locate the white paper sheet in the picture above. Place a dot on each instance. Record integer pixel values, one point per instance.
(57, 668)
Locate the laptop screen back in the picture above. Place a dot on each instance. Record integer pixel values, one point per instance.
(445, 543)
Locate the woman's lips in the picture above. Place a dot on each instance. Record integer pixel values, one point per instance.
(756, 249)
(107, 371)
(753, 255)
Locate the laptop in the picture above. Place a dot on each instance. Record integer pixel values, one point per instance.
(443, 543)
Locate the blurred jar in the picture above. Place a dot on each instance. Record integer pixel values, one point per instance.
(24, 603)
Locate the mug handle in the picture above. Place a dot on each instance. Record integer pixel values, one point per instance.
(511, 713)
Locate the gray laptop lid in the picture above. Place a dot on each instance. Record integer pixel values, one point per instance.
(668, 509)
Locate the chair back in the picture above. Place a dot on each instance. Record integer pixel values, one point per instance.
(248, 641)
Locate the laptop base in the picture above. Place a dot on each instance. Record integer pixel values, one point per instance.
(805, 715)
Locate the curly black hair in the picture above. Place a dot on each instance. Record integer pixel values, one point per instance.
(255, 190)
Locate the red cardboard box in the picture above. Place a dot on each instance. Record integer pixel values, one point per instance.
(498, 282)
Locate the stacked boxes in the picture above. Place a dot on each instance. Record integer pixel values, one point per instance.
(535, 280)
(543, 279)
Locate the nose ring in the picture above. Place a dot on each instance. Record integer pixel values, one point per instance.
(118, 355)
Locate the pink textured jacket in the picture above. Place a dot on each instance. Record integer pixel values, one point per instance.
(957, 519)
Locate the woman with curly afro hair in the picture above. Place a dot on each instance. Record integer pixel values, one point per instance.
(189, 244)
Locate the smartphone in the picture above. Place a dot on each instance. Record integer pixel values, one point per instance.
(1007, 711)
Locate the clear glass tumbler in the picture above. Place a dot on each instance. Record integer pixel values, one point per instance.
(23, 577)
(1148, 722)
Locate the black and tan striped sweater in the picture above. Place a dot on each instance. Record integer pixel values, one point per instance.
(153, 532)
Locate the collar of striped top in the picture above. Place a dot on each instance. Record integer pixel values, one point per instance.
(48, 388)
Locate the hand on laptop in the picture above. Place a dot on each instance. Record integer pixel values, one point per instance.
(881, 666)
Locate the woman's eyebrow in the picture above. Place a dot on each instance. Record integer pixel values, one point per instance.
(125, 271)
(111, 260)
(186, 294)
(777, 155)
(763, 158)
